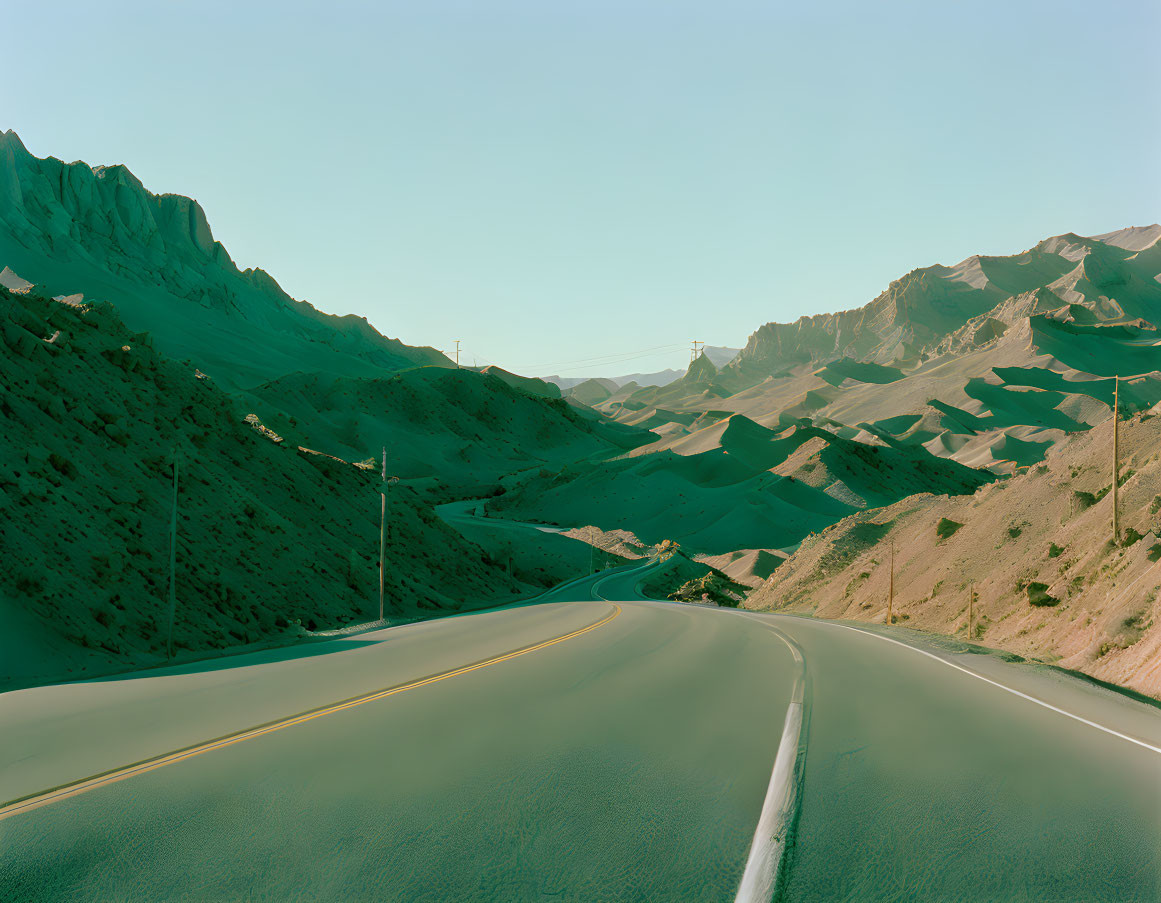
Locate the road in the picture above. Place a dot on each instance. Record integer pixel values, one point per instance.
(581, 750)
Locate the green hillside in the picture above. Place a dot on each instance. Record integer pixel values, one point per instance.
(269, 536)
(71, 227)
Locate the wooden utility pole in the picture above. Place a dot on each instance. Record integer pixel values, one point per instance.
(695, 351)
(891, 587)
(172, 564)
(457, 359)
(1116, 458)
(383, 531)
(971, 607)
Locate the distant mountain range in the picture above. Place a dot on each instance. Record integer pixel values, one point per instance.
(988, 362)
(719, 354)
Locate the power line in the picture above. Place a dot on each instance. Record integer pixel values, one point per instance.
(614, 357)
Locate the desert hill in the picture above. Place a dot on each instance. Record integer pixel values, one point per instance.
(1050, 584)
(270, 536)
(462, 429)
(720, 355)
(741, 486)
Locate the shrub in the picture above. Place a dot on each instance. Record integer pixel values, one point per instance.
(1038, 595)
(1137, 621)
(1132, 536)
(1054, 551)
(1088, 499)
(946, 527)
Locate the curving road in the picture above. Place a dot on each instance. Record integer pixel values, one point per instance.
(582, 750)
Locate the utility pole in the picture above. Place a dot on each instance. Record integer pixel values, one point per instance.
(696, 349)
(971, 606)
(1116, 458)
(383, 532)
(592, 566)
(891, 587)
(457, 360)
(172, 563)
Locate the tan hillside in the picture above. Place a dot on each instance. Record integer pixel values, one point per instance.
(1050, 584)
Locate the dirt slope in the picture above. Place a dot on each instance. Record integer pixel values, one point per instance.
(268, 536)
(1036, 547)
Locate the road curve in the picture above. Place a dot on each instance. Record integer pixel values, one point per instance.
(626, 762)
(586, 750)
(935, 773)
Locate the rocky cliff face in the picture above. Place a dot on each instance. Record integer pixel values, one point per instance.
(96, 229)
(923, 310)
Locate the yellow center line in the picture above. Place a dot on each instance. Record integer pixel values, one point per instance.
(83, 785)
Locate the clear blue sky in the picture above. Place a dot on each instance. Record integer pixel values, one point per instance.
(553, 181)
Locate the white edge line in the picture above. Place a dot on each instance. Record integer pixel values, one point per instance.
(978, 676)
(769, 844)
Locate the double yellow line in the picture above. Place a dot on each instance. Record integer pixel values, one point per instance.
(83, 785)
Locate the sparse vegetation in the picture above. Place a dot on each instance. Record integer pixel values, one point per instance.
(1054, 551)
(946, 527)
(1039, 597)
(710, 587)
(1137, 621)
(1088, 499)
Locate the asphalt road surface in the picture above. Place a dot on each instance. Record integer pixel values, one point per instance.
(582, 750)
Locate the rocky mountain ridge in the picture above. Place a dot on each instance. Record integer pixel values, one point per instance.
(71, 227)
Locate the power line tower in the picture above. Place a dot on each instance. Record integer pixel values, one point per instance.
(172, 564)
(1116, 458)
(383, 533)
(696, 350)
(891, 587)
(386, 484)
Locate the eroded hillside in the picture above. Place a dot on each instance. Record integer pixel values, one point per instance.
(1037, 549)
(270, 537)
(72, 227)
(989, 362)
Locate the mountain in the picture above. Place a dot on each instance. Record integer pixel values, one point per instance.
(129, 332)
(592, 391)
(325, 381)
(71, 227)
(989, 362)
(719, 355)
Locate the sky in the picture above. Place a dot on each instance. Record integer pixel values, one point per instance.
(583, 188)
